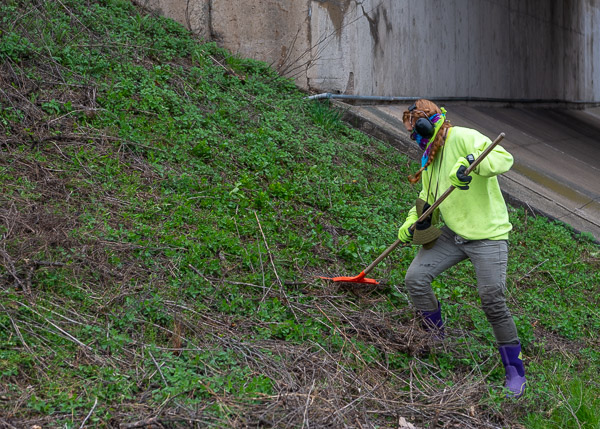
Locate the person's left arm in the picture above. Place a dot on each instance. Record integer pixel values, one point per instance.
(498, 161)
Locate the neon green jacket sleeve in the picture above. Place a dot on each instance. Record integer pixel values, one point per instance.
(479, 212)
(497, 162)
(412, 215)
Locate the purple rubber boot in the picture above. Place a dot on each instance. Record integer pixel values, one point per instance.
(433, 322)
(515, 371)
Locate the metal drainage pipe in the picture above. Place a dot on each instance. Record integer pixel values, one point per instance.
(329, 95)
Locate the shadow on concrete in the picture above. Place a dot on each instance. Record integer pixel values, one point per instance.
(557, 153)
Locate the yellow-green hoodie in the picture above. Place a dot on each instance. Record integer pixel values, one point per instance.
(479, 212)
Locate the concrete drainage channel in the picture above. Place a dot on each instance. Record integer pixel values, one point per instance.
(557, 163)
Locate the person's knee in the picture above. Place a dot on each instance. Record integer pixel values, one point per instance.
(417, 280)
(494, 304)
(418, 285)
(497, 313)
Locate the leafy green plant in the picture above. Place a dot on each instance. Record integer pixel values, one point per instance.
(15, 47)
(324, 115)
(575, 405)
(168, 208)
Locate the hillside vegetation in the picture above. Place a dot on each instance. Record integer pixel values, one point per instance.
(166, 210)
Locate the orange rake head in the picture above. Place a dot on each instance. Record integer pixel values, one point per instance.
(357, 279)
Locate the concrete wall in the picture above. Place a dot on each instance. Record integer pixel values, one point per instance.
(515, 49)
(193, 14)
(274, 31)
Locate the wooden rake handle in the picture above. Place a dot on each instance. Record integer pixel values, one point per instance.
(435, 205)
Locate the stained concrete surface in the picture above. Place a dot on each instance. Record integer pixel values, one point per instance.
(557, 153)
(517, 49)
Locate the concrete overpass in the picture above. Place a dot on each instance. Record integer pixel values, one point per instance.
(529, 68)
(501, 49)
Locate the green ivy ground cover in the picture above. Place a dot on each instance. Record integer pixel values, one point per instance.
(167, 208)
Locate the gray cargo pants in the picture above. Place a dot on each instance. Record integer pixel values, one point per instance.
(489, 257)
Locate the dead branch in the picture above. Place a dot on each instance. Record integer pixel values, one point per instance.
(281, 286)
(151, 422)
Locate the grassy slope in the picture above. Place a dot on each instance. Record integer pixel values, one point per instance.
(165, 209)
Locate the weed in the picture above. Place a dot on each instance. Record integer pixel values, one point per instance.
(167, 207)
(325, 116)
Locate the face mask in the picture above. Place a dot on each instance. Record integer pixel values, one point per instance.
(422, 128)
(436, 122)
(421, 141)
